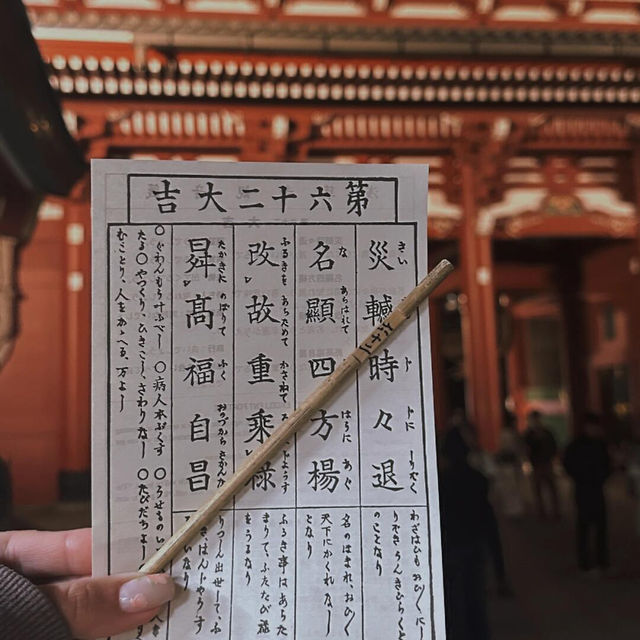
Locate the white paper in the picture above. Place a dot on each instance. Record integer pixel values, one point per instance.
(222, 295)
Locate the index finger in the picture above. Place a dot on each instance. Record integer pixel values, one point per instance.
(45, 554)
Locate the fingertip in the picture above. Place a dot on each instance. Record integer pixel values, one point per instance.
(146, 592)
(93, 609)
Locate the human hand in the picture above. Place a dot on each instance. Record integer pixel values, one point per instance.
(60, 564)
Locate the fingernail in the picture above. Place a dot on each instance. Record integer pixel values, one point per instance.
(147, 592)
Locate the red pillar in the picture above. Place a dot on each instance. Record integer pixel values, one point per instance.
(76, 440)
(634, 304)
(574, 318)
(481, 348)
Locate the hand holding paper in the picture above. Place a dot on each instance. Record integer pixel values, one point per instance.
(60, 562)
(223, 295)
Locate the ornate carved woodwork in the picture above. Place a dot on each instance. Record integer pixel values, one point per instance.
(124, 71)
(565, 15)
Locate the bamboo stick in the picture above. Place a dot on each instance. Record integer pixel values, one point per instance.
(299, 417)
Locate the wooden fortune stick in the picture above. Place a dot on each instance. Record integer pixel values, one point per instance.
(285, 431)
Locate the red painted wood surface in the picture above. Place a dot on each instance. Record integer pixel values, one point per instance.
(32, 384)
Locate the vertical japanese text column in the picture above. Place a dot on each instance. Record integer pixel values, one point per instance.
(203, 376)
(264, 554)
(139, 414)
(328, 497)
(394, 513)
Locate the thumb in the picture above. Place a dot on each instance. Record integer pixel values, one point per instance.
(101, 607)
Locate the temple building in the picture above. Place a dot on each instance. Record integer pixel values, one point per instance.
(528, 114)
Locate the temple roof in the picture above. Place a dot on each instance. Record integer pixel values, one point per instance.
(507, 28)
(247, 77)
(375, 52)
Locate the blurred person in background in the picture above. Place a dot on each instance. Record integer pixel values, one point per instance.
(477, 457)
(509, 476)
(542, 450)
(470, 537)
(587, 461)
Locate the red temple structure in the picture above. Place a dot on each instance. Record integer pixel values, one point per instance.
(528, 114)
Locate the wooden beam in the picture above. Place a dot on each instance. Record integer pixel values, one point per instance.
(512, 277)
(465, 14)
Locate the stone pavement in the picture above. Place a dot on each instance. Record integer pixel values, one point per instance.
(552, 600)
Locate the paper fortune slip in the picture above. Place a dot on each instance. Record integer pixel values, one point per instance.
(223, 294)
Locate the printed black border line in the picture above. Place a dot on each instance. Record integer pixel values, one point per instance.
(151, 224)
(233, 424)
(109, 373)
(257, 223)
(424, 441)
(426, 504)
(171, 415)
(322, 506)
(392, 179)
(295, 435)
(355, 225)
(357, 342)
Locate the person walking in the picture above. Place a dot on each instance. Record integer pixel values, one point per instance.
(542, 450)
(509, 477)
(587, 462)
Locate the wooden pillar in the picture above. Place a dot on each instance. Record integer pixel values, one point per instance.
(634, 304)
(76, 457)
(481, 348)
(576, 339)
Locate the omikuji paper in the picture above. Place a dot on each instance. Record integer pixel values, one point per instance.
(223, 294)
